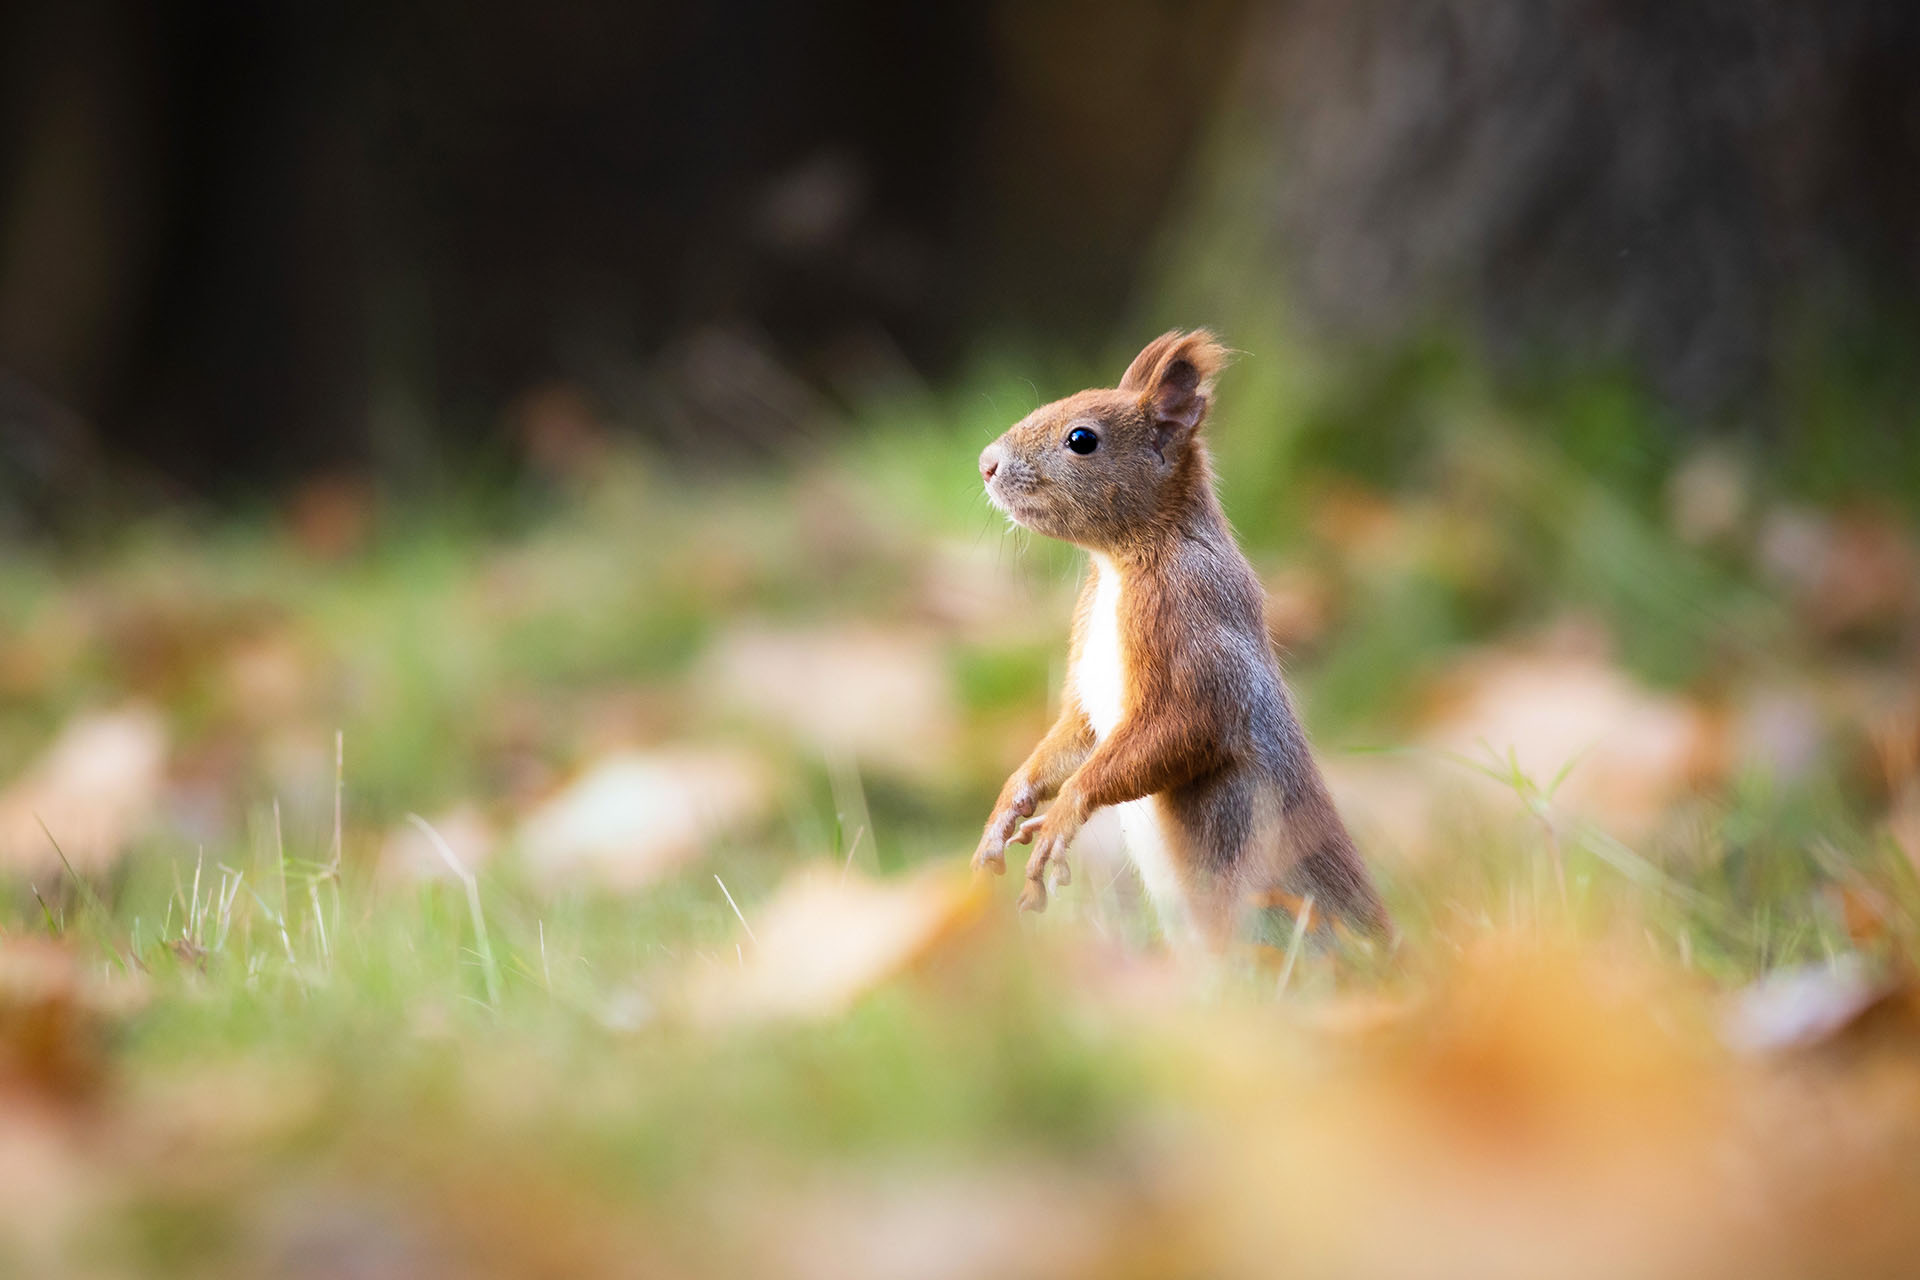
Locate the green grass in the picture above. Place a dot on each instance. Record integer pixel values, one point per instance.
(301, 1036)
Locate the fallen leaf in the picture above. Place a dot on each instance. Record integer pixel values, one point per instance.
(1779, 733)
(884, 697)
(331, 517)
(1629, 752)
(267, 678)
(407, 853)
(948, 1224)
(561, 431)
(1795, 1008)
(1391, 803)
(49, 1192)
(827, 938)
(1867, 914)
(1851, 572)
(1707, 496)
(54, 1018)
(1903, 825)
(94, 790)
(1530, 1115)
(40, 652)
(635, 816)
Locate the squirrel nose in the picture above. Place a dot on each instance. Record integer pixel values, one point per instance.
(989, 462)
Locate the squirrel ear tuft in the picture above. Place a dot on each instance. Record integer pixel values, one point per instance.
(1174, 378)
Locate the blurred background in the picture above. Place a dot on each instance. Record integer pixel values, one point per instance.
(244, 248)
(472, 476)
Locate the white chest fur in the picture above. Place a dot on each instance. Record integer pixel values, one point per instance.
(1099, 678)
(1099, 681)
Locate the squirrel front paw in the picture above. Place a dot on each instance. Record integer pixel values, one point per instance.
(992, 853)
(1050, 836)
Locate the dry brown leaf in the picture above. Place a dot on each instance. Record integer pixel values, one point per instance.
(1799, 1007)
(1849, 572)
(215, 1105)
(561, 431)
(267, 678)
(883, 697)
(1867, 914)
(1393, 804)
(331, 516)
(407, 854)
(1708, 496)
(940, 1224)
(53, 1021)
(1779, 732)
(1633, 752)
(50, 1191)
(38, 655)
(826, 938)
(1530, 1117)
(1903, 825)
(634, 817)
(95, 789)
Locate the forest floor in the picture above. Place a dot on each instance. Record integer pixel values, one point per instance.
(575, 884)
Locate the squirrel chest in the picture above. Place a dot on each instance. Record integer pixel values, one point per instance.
(1099, 673)
(1100, 682)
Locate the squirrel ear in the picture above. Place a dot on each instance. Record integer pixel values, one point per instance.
(1174, 378)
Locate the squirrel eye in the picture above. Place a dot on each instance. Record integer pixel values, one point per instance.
(1082, 441)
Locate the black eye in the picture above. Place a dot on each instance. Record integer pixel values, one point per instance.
(1082, 441)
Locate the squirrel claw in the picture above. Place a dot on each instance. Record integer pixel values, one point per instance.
(1034, 897)
(994, 862)
(1049, 850)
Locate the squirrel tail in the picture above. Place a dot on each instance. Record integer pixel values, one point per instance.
(1341, 886)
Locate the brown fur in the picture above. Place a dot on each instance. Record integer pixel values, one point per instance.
(1207, 728)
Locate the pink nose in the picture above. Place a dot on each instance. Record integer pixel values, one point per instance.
(989, 462)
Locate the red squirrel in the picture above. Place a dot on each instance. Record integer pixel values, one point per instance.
(1175, 710)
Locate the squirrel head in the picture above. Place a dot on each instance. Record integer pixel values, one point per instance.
(1103, 468)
